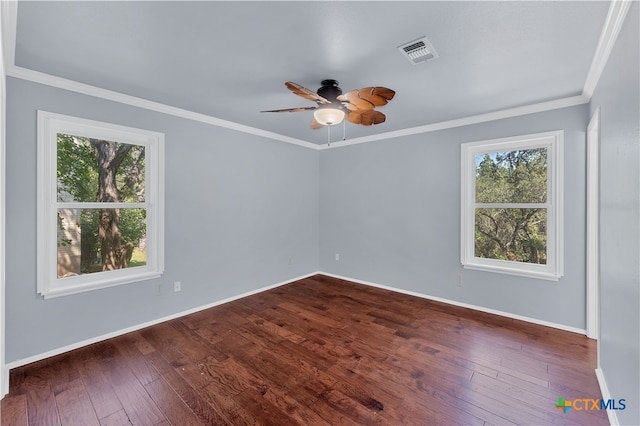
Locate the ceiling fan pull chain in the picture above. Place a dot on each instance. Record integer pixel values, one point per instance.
(328, 135)
(344, 130)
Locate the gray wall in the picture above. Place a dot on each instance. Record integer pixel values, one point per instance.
(237, 207)
(618, 96)
(391, 209)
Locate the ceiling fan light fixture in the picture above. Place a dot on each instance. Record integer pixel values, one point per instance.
(329, 116)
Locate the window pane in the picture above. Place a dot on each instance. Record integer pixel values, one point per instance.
(518, 235)
(512, 176)
(96, 240)
(93, 170)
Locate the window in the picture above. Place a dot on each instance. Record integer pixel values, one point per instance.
(511, 218)
(100, 205)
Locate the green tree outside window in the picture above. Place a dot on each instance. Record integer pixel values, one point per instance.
(510, 224)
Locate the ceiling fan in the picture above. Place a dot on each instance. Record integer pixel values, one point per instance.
(333, 106)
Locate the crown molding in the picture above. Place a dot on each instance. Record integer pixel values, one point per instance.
(466, 121)
(613, 23)
(86, 89)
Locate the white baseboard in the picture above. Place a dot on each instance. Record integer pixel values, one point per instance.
(464, 305)
(606, 395)
(61, 350)
(4, 386)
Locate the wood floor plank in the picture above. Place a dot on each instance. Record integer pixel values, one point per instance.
(173, 407)
(460, 405)
(434, 412)
(135, 360)
(14, 410)
(261, 408)
(195, 400)
(118, 418)
(296, 405)
(137, 403)
(275, 329)
(319, 351)
(167, 341)
(135, 400)
(41, 404)
(74, 405)
(230, 409)
(103, 397)
(63, 372)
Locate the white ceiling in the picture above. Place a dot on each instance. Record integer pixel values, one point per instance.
(230, 60)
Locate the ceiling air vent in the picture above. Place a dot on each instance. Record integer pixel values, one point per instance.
(418, 51)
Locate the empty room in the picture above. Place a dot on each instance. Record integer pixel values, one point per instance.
(320, 212)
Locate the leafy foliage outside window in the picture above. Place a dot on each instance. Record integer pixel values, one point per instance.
(510, 217)
(99, 171)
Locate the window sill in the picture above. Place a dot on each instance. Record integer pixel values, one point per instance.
(80, 284)
(520, 272)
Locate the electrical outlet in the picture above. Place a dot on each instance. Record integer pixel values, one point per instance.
(337, 257)
(459, 280)
(159, 289)
(177, 286)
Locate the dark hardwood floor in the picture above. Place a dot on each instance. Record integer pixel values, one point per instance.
(320, 351)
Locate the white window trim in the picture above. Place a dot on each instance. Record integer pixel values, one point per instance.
(49, 125)
(554, 269)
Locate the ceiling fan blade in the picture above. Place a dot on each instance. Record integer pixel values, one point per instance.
(357, 103)
(378, 96)
(350, 106)
(366, 118)
(367, 98)
(292, 109)
(315, 124)
(354, 117)
(305, 93)
(384, 92)
(372, 117)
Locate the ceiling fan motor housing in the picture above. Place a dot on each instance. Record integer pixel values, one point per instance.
(330, 90)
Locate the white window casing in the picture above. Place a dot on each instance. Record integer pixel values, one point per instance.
(553, 142)
(49, 126)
